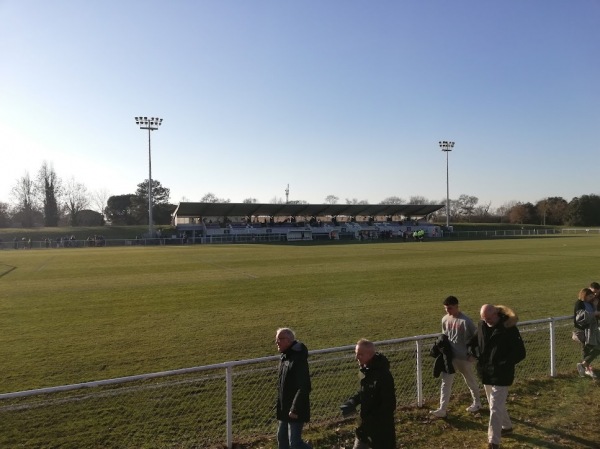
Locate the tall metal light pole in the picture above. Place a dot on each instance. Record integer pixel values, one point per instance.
(151, 124)
(447, 146)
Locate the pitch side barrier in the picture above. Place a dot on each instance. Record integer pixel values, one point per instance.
(274, 237)
(98, 243)
(207, 406)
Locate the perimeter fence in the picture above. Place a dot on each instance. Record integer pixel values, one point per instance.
(270, 238)
(216, 405)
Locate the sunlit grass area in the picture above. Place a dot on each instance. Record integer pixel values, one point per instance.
(79, 314)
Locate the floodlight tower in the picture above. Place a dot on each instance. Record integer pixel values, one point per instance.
(151, 124)
(446, 147)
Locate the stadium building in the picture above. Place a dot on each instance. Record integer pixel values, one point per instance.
(251, 222)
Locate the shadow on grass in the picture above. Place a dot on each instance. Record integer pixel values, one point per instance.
(563, 438)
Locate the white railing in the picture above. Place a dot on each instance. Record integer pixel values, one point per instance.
(501, 233)
(580, 231)
(208, 406)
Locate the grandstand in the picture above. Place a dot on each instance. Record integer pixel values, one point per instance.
(248, 222)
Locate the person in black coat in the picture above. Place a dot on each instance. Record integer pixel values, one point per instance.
(377, 399)
(293, 390)
(498, 347)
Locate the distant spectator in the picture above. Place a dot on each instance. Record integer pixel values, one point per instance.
(585, 319)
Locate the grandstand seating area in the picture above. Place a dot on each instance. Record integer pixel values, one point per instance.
(368, 230)
(246, 222)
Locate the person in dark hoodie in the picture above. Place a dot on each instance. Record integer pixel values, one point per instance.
(498, 347)
(377, 400)
(293, 390)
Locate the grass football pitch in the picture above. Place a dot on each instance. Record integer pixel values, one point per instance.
(83, 314)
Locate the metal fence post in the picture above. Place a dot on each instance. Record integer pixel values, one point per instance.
(229, 405)
(419, 375)
(552, 349)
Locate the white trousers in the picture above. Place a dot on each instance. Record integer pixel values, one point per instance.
(499, 418)
(465, 368)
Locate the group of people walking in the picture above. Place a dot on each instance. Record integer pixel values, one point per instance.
(376, 396)
(494, 345)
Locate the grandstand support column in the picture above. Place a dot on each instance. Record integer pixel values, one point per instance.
(151, 124)
(446, 147)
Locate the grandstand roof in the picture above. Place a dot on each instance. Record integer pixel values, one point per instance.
(309, 210)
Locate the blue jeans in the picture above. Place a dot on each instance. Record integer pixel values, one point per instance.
(289, 435)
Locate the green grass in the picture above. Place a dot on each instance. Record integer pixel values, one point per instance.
(76, 315)
(547, 413)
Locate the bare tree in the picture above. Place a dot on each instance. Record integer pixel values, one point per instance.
(49, 189)
(277, 200)
(212, 198)
(24, 196)
(4, 215)
(392, 200)
(466, 205)
(503, 210)
(99, 199)
(331, 199)
(418, 199)
(482, 212)
(250, 201)
(356, 201)
(76, 200)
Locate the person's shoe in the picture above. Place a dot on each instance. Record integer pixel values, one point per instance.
(439, 413)
(473, 408)
(506, 431)
(581, 369)
(493, 446)
(591, 373)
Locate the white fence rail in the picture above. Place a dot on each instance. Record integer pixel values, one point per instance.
(215, 405)
(501, 233)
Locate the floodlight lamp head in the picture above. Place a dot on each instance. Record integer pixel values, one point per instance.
(151, 123)
(446, 145)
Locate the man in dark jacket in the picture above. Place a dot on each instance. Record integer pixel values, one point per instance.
(293, 403)
(377, 400)
(498, 347)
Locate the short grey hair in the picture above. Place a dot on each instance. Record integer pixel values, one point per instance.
(287, 331)
(367, 344)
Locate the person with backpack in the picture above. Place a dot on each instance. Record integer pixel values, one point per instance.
(585, 320)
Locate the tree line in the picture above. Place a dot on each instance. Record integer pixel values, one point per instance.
(47, 200)
(552, 211)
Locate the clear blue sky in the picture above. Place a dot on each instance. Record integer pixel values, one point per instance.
(341, 97)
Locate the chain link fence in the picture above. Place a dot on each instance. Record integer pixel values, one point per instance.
(216, 405)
